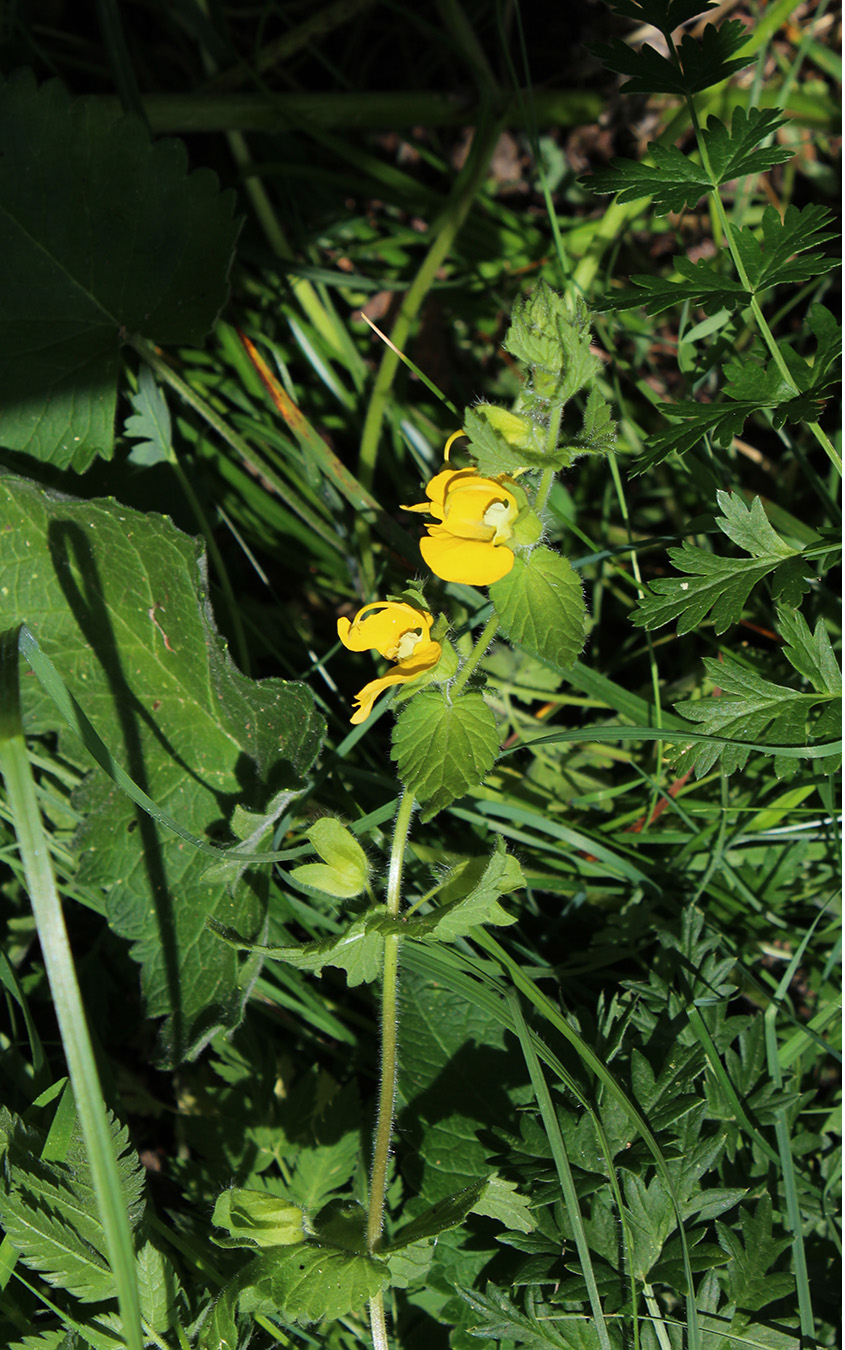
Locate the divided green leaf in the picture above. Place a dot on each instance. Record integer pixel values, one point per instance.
(713, 583)
(748, 708)
(48, 1209)
(101, 232)
(698, 65)
(149, 425)
(443, 746)
(541, 607)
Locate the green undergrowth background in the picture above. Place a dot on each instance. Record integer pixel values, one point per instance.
(180, 546)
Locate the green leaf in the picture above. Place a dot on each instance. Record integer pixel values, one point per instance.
(750, 388)
(100, 231)
(673, 182)
(158, 1286)
(750, 1280)
(698, 65)
(447, 1213)
(444, 746)
(810, 653)
(454, 918)
(650, 1220)
(551, 334)
(309, 1282)
(748, 708)
(501, 1200)
(48, 1209)
(345, 870)
(772, 260)
(459, 1077)
(667, 15)
(506, 442)
(491, 1196)
(118, 600)
(541, 606)
(150, 423)
(737, 152)
(359, 949)
(257, 1218)
(409, 1265)
(720, 585)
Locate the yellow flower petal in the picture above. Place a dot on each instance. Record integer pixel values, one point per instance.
(469, 560)
(477, 516)
(385, 626)
(406, 670)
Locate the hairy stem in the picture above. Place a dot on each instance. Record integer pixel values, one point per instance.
(486, 636)
(389, 1059)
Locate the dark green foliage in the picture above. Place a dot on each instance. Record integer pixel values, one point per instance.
(660, 913)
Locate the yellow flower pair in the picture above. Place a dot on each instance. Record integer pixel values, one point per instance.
(474, 519)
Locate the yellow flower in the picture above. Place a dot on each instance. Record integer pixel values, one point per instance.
(476, 515)
(398, 632)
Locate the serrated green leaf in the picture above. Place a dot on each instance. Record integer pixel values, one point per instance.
(409, 1265)
(459, 1075)
(48, 1209)
(748, 708)
(443, 746)
(713, 583)
(736, 152)
(454, 918)
(359, 949)
(673, 182)
(100, 231)
(810, 653)
(501, 1200)
(541, 606)
(150, 423)
(309, 1282)
(650, 1219)
(503, 442)
(158, 1287)
(698, 64)
(773, 259)
(667, 15)
(696, 283)
(753, 1251)
(118, 600)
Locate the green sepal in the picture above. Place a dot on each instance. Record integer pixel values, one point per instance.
(541, 606)
(443, 746)
(527, 529)
(258, 1219)
(344, 871)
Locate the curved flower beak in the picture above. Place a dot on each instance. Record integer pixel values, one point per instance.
(476, 518)
(396, 631)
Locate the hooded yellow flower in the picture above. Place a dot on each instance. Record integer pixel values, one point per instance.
(398, 632)
(476, 515)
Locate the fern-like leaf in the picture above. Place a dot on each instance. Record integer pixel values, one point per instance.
(721, 585)
(48, 1208)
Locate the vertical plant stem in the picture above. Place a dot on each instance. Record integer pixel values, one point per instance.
(486, 636)
(389, 1057)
